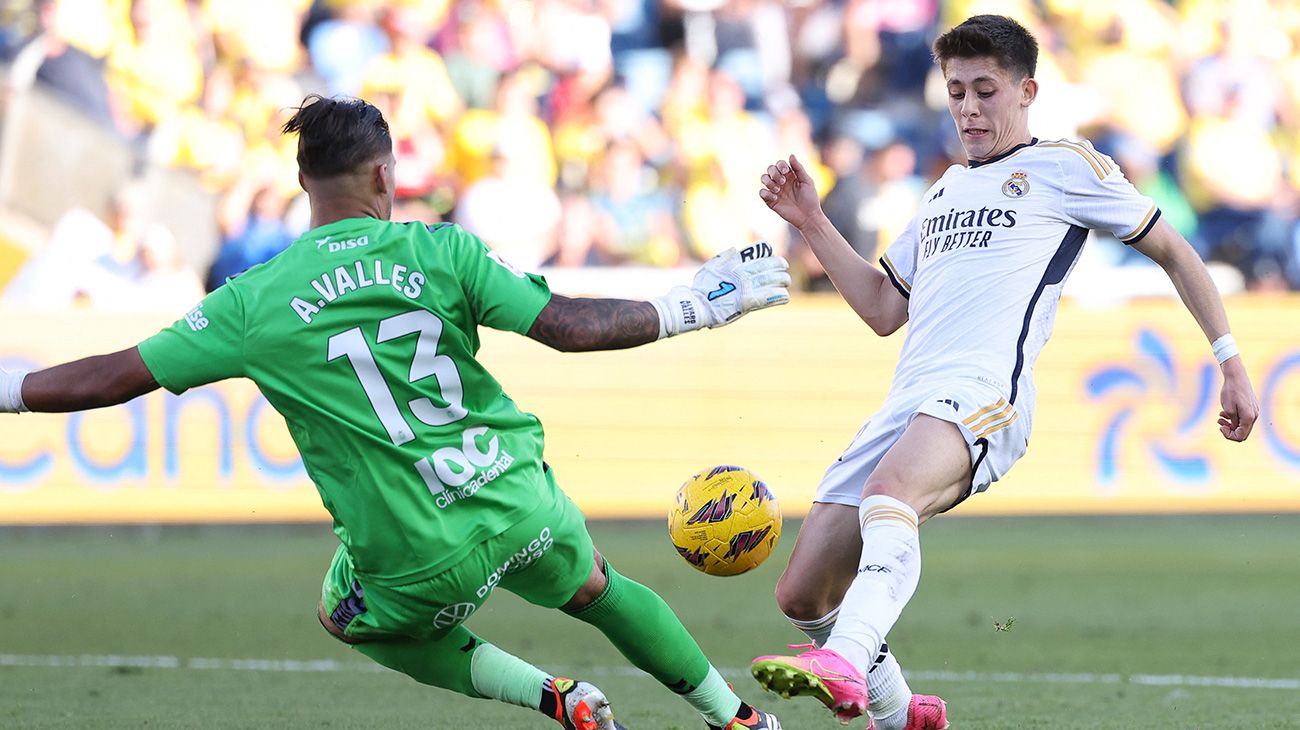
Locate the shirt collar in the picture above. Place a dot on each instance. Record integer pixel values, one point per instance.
(980, 163)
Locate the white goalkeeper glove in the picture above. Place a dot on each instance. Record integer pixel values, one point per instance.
(11, 391)
(726, 287)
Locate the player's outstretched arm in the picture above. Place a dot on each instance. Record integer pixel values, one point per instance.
(94, 382)
(789, 191)
(583, 325)
(725, 288)
(1167, 247)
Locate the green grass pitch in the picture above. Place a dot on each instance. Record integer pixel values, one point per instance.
(1124, 622)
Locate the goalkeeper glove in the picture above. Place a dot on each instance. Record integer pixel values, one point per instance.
(726, 287)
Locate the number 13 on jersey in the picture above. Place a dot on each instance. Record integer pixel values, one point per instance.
(450, 465)
(427, 362)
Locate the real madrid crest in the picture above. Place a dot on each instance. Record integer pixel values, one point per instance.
(1017, 186)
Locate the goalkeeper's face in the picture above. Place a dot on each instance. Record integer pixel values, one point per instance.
(989, 104)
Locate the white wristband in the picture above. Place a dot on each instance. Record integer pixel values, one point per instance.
(11, 391)
(1225, 348)
(678, 312)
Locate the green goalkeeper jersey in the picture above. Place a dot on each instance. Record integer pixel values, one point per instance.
(363, 335)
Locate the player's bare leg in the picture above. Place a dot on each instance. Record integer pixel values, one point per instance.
(821, 568)
(925, 472)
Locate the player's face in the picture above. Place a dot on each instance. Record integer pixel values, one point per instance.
(989, 105)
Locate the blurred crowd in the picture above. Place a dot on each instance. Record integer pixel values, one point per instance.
(606, 132)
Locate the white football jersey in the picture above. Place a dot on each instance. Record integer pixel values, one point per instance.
(984, 261)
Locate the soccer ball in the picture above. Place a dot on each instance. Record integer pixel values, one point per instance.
(725, 521)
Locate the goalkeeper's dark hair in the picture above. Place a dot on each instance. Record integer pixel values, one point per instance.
(991, 36)
(338, 135)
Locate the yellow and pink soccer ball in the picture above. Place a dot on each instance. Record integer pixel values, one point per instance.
(725, 521)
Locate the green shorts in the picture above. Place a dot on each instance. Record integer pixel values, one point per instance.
(544, 559)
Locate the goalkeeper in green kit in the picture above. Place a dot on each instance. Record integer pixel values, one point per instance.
(363, 336)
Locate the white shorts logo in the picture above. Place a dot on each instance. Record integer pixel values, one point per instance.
(453, 615)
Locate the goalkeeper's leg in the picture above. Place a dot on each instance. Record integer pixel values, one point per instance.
(642, 626)
(465, 664)
(571, 575)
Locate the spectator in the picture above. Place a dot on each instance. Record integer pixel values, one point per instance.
(480, 54)
(513, 117)
(342, 47)
(1139, 89)
(154, 63)
(633, 214)
(848, 198)
(426, 93)
(166, 282)
(573, 43)
(93, 262)
(50, 59)
(1232, 173)
(514, 213)
(628, 108)
(253, 230)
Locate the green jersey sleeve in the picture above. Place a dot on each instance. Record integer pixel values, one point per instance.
(500, 296)
(204, 346)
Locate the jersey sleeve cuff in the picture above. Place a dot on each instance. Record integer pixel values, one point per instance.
(526, 323)
(1143, 228)
(151, 361)
(902, 286)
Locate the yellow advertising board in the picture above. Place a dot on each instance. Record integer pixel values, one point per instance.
(1125, 421)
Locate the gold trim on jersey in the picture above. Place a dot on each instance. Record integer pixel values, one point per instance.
(976, 416)
(998, 426)
(1141, 226)
(884, 257)
(1095, 159)
(991, 420)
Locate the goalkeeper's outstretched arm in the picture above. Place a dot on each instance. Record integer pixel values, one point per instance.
(728, 286)
(92, 382)
(582, 325)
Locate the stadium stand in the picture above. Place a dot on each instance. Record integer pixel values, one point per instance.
(632, 132)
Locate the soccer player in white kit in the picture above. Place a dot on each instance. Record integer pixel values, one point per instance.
(977, 274)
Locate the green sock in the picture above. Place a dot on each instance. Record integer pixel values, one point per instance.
(641, 626)
(445, 662)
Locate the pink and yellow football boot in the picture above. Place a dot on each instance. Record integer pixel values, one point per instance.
(819, 673)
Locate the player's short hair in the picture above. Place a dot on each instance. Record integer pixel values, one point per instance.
(991, 36)
(338, 135)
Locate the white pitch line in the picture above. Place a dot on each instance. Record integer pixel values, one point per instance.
(333, 665)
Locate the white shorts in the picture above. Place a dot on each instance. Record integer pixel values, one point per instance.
(996, 432)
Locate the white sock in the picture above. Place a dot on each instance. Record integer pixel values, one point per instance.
(887, 576)
(888, 692)
(819, 629)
